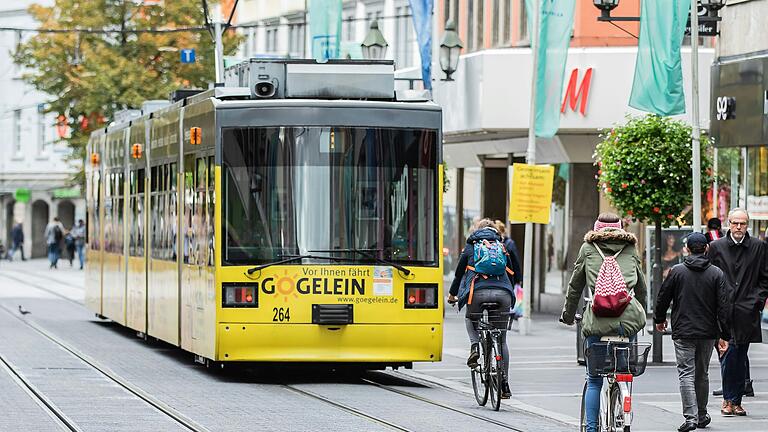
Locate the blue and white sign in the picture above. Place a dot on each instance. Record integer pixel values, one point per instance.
(187, 55)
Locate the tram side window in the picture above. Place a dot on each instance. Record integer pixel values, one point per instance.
(211, 208)
(187, 230)
(158, 180)
(136, 211)
(118, 237)
(93, 222)
(199, 218)
(108, 187)
(171, 211)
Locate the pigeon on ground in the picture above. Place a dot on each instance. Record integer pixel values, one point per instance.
(23, 311)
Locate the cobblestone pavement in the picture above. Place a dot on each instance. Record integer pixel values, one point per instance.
(244, 398)
(545, 378)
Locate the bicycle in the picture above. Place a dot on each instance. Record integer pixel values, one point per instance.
(489, 374)
(619, 360)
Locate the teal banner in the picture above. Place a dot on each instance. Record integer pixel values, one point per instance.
(658, 84)
(325, 28)
(555, 28)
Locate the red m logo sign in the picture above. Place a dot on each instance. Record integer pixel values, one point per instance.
(572, 96)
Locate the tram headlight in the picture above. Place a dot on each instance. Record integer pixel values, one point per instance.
(238, 295)
(420, 296)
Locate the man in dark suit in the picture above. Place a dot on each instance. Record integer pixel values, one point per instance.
(743, 261)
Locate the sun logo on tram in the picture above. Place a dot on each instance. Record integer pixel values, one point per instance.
(285, 285)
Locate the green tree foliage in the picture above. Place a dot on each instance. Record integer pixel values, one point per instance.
(90, 76)
(644, 168)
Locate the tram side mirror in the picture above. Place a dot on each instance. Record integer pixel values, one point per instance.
(265, 89)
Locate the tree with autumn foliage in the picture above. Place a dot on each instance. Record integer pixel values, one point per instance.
(90, 75)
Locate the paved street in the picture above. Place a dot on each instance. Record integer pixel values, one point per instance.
(545, 380)
(244, 398)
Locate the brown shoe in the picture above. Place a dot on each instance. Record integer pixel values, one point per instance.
(738, 410)
(727, 409)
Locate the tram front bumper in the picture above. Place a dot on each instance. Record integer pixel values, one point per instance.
(353, 343)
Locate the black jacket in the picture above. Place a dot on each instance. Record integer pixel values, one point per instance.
(700, 300)
(17, 234)
(746, 277)
(514, 257)
(467, 258)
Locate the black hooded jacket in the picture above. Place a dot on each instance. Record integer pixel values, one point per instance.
(746, 277)
(467, 258)
(700, 300)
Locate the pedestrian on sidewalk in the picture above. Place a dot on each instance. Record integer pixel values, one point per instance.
(54, 234)
(607, 237)
(78, 232)
(472, 286)
(700, 309)
(714, 230)
(69, 243)
(17, 241)
(742, 258)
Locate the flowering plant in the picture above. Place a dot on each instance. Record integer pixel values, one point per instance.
(644, 168)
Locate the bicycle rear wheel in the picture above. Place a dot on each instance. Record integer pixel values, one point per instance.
(479, 373)
(616, 411)
(496, 374)
(583, 420)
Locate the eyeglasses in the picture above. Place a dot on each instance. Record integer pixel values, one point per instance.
(738, 223)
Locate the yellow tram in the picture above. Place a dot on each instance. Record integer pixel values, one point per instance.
(293, 215)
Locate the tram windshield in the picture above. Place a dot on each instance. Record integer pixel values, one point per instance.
(293, 190)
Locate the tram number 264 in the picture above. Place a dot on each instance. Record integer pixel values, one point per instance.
(281, 314)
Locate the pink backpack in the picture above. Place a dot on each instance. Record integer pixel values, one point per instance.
(611, 295)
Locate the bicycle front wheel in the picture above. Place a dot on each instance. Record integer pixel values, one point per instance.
(479, 380)
(496, 373)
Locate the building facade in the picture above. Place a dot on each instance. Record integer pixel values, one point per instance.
(739, 114)
(279, 28)
(33, 166)
(486, 117)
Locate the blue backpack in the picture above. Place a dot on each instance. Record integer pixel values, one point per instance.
(490, 258)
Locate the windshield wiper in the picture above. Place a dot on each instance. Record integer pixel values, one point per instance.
(292, 258)
(366, 253)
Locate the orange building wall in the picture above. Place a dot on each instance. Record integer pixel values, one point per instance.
(587, 30)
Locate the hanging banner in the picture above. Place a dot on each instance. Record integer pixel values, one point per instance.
(531, 198)
(325, 28)
(658, 84)
(555, 28)
(422, 22)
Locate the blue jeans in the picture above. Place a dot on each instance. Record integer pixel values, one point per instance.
(733, 366)
(594, 386)
(81, 254)
(53, 254)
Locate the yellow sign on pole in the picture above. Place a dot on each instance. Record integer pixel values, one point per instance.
(531, 198)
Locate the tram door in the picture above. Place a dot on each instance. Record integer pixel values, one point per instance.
(137, 275)
(197, 275)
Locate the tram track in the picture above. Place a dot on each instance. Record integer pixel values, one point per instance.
(346, 408)
(56, 414)
(52, 279)
(438, 404)
(42, 288)
(157, 404)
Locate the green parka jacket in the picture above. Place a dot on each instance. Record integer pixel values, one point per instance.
(610, 241)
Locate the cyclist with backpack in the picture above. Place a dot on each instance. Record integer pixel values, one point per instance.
(484, 275)
(54, 234)
(609, 267)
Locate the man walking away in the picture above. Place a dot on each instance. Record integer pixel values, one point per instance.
(78, 232)
(17, 241)
(742, 260)
(54, 233)
(700, 308)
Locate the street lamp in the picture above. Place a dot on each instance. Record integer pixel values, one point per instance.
(606, 5)
(450, 48)
(374, 46)
(712, 5)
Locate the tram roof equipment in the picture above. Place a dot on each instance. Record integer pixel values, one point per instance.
(308, 79)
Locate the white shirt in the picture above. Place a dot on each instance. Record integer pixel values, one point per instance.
(734, 240)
